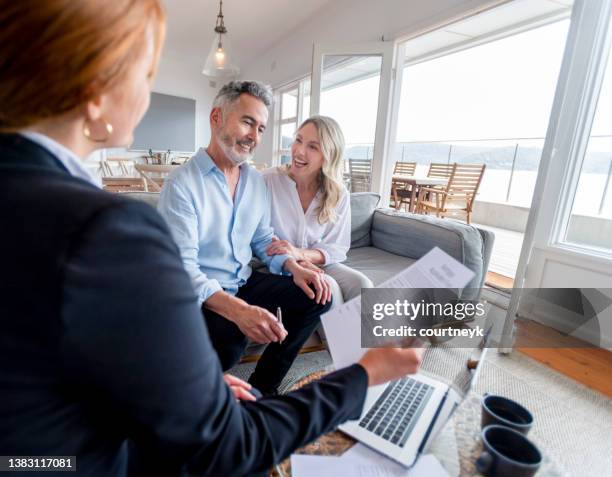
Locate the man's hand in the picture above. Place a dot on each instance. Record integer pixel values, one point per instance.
(259, 325)
(387, 364)
(305, 278)
(283, 247)
(240, 388)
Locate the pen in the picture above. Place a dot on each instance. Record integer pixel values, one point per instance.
(279, 316)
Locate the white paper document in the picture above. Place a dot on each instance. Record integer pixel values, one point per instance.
(342, 323)
(360, 461)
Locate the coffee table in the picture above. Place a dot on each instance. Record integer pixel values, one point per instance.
(457, 446)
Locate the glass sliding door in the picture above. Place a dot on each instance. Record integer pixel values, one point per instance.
(352, 86)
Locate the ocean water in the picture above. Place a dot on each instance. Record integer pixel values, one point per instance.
(499, 156)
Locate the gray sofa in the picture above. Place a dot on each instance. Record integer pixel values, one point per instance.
(384, 241)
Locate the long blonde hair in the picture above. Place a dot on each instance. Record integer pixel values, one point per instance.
(331, 140)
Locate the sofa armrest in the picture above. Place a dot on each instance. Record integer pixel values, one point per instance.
(412, 236)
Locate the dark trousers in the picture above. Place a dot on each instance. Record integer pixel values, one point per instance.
(300, 318)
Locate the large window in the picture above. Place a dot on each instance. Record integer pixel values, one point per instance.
(294, 103)
(590, 222)
(488, 104)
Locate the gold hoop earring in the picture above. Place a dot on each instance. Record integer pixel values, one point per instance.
(107, 126)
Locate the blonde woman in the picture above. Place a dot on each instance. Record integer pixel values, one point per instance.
(310, 208)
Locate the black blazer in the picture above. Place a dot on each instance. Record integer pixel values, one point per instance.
(104, 354)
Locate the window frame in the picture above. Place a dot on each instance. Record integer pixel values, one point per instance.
(299, 84)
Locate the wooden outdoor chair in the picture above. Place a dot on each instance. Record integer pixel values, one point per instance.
(400, 192)
(458, 195)
(440, 169)
(153, 175)
(360, 171)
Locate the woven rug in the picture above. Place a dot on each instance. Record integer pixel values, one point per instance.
(304, 365)
(573, 424)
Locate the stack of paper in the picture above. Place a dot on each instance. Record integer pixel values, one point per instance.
(361, 461)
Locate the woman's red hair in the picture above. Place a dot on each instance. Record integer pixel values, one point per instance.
(56, 55)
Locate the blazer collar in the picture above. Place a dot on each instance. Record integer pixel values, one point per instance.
(16, 150)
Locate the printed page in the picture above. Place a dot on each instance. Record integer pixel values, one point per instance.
(342, 323)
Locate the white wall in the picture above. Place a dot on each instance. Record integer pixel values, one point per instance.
(346, 22)
(184, 78)
(179, 77)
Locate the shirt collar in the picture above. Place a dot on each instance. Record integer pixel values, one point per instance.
(292, 183)
(206, 164)
(69, 159)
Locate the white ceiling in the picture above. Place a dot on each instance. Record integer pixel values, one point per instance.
(253, 26)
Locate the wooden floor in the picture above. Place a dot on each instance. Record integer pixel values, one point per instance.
(582, 363)
(498, 280)
(587, 365)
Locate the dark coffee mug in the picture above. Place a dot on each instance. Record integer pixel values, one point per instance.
(505, 412)
(507, 453)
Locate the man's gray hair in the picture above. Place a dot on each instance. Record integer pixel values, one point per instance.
(231, 91)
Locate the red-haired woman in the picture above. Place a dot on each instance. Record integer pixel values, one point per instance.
(103, 351)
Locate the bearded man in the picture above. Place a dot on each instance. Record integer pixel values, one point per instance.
(217, 209)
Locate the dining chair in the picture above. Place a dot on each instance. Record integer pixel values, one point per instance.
(401, 193)
(360, 171)
(116, 166)
(458, 195)
(153, 175)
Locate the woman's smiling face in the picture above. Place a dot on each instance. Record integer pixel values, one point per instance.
(306, 156)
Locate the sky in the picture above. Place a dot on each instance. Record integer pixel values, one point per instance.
(503, 89)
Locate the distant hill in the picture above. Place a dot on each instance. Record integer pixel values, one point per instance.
(527, 159)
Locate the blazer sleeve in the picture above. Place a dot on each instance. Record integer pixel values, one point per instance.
(135, 346)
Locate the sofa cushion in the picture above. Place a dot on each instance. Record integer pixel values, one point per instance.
(412, 236)
(378, 265)
(363, 205)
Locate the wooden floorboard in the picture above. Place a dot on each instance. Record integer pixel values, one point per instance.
(498, 280)
(568, 355)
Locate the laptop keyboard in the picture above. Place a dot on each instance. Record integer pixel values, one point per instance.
(397, 410)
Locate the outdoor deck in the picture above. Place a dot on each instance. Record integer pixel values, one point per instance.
(506, 250)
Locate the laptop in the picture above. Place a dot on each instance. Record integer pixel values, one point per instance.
(400, 419)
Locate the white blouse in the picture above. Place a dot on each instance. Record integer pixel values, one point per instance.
(332, 239)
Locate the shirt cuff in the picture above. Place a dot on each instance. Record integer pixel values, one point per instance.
(211, 287)
(326, 256)
(276, 264)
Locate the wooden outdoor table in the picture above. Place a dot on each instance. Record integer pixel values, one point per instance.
(415, 182)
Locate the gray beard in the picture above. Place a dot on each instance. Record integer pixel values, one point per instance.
(237, 159)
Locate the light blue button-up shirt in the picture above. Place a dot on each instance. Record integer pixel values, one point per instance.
(215, 234)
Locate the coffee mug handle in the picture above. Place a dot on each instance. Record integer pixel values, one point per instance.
(483, 463)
